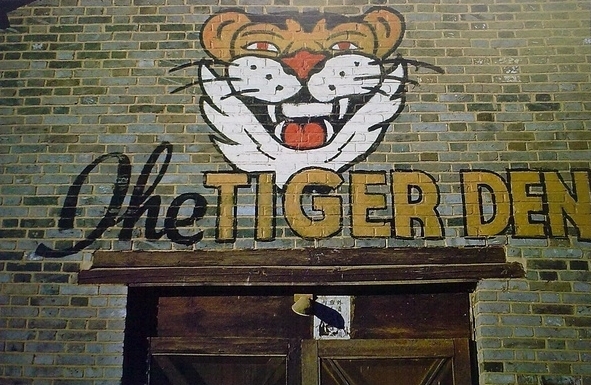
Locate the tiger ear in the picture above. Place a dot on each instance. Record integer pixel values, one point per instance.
(388, 26)
(218, 32)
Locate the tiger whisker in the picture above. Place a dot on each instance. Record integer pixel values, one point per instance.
(390, 77)
(188, 85)
(399, 78)
(413, 82)
(415, 63)
(227, 78)
(385, 61)
(237, 93)
(419, 64)
(370, 89)
(368, 77)
(392, 61)
(191, 64)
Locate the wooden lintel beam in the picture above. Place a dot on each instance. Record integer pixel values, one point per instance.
(300, 275)
(301, 257)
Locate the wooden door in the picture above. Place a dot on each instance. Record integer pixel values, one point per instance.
(379, 362)
(227, 361)
(252, 337)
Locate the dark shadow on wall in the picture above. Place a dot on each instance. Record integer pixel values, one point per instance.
(140, 324)
(7, 6)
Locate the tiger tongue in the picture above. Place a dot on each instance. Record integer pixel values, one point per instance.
(304, 136)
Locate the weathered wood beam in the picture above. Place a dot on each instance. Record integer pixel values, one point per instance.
(300, 257)
(300, 276)
(305, 267)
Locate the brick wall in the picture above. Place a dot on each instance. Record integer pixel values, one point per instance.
(536, 331)
(81, 79)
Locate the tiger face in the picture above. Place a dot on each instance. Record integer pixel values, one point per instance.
(304, 90)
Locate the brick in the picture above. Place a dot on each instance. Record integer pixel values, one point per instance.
(551, 286)
(553, 309)
(555, 332)
(525, 343)
(112, 290)
(53, 324)
(578, 322)
(76, 336)
(10, 256)
(49, 301)
(526, 367)
(558, 380)
(75, 360)
(146, 109)
(79, 301)
(493, 367)
(50, 278)
(547, 265)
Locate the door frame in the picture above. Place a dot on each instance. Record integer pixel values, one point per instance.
(149, 274)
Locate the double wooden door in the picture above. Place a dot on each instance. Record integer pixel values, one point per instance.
(238, 361)
(253, 338)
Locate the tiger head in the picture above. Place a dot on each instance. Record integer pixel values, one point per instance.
(302, 90)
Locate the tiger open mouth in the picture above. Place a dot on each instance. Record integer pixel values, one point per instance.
(305, 126)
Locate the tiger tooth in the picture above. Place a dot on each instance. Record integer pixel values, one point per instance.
(278, 130)
(272, 111)
(329, 129)
(343, 104)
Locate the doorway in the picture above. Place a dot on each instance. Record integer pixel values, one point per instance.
(196, 313)
(201, 336)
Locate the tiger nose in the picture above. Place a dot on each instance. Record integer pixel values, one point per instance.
(302, 62)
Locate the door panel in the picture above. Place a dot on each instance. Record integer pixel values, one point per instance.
(377, 362)
(379, 371)
(226, 361)
(214, 370)
(444, 315)
(230, 316)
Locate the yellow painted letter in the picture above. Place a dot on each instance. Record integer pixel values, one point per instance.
(487, 204)
(265, 229)
(362, 202)
(416, 198)
(227, 184)
(563, 205)
(527, 202)
(325, 218)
